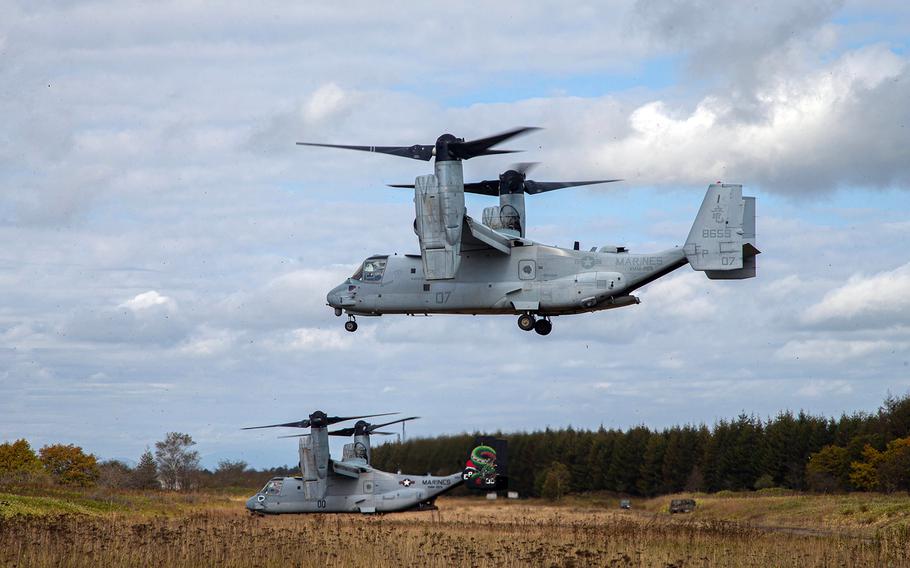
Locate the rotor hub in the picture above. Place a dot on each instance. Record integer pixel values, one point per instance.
(511, 182)
(319, 419)
(442, 148)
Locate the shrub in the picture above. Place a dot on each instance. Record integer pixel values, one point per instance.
(17, 457)
(829, 469)
(114, 474)
(556, 482)
(69, 465)
(765, 481)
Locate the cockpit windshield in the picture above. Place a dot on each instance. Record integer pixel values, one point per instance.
(273, 487)
(371, 270)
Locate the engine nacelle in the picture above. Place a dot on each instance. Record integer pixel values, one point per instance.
(438, 224)
(314, 482)
(509, 216)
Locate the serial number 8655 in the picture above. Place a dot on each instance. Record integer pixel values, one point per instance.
(716, 233)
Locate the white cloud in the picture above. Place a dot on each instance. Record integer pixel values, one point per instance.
(818, 388)
(311, 339)
(831, 351)
(207, 342)
(877, 300)
(805, 133)
(149, 300)
(148, 317)
(672, 361)
(325, 102)
(688, 295)
(286, 300)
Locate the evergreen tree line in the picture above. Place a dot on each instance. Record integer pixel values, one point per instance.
(862, 451)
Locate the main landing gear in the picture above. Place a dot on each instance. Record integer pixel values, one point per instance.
(351, 324)
(527, 322)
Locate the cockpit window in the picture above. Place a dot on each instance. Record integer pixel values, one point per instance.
(373, 269)
(273, 487)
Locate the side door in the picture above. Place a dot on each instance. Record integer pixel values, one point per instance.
(389, 293)
(529, 296)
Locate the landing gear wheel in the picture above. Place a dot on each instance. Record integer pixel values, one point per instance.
(543, 327)
(526, 322)
(350, 325)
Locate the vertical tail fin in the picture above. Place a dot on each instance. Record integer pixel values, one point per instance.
(721, 242)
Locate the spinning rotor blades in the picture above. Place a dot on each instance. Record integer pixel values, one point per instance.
(417, 151)
(482, 146)
(535, 187)
(447, 147)
(370, 428)
(512, 181)
(318, 420)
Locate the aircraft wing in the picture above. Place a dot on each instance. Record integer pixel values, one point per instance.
(477, 236)
(350, 469)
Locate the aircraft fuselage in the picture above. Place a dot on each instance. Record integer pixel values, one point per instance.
(372, 492)
(534, 278)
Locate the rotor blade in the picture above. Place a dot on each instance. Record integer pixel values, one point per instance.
(535, 187)
(486, 187)
(294, 436)
(370, 427)
(482, 146)
(417, 151)
(524, 167)
(404, 185)
(377, 426)
(299, 424)
(342, 432)
(336, 419)
(383, 433)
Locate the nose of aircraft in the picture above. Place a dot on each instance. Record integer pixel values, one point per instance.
(337, 296)
(253, 504)
(333, 298)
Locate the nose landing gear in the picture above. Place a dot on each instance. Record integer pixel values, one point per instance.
(351, 324)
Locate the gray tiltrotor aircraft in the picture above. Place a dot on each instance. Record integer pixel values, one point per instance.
(491, 267)
(352, 484)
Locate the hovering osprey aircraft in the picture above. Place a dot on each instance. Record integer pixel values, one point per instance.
(491, 267)
(352, 484)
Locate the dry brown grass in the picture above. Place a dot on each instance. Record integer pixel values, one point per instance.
(464, 532)
(861, 514)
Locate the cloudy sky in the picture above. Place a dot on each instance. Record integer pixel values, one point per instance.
(166, 248)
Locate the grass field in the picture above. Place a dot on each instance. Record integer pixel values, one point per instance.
(73, 528)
